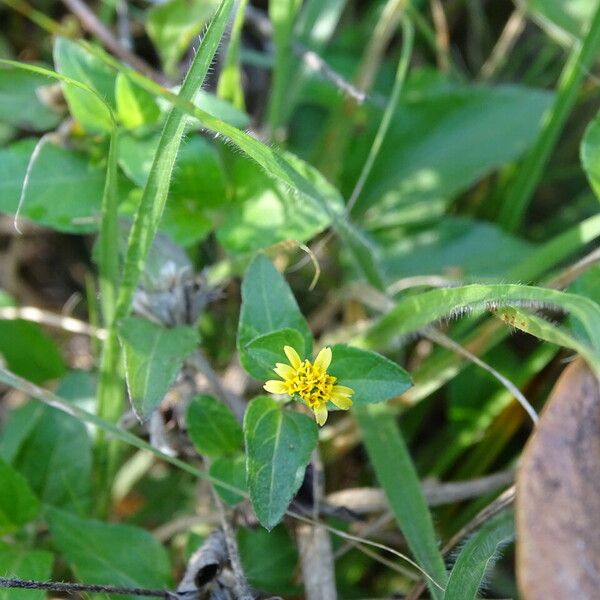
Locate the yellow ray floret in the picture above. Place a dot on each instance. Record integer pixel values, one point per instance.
(311, 382)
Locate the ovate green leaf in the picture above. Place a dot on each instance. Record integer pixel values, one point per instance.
(231, 470)
(153, 357)
(266, 350)
(23, 90)
(29, 352)
(279, 443)
(57, 461)
(18, 504)
(373, 377)
(135, 106)
(24, 564)
(64, 190)
(268, 305)
(213, 428)
(110, 554)
(72, 60)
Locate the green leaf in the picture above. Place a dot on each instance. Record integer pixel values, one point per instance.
(458, 245)
(282, 166)
(64, 190)
(414, 312)
(268, 305)
(19, 423)
(544, 330)
(135, 106)
(57, 461)
(213, 428)
(266, 350)
(270, 559)
(72, 60)
(478, 555)
(20, 89)
(398, 478)
(230, 85)
(481, 128)
(154, 197)
(29, 352)
(153, 358)
(111, 554)
(279, 443)
(373, 377)
(197, 192)
(33, 565)
(18, 504)
(265, 211)
(282, 14)
(172, 26)
(590, 154)
(231, 470)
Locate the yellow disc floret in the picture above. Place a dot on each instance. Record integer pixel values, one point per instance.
(311, 382)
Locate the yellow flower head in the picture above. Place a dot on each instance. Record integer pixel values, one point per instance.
(311, 382)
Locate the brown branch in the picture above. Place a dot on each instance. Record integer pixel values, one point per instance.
(366, 500)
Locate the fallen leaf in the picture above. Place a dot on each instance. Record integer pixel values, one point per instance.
(558, 494)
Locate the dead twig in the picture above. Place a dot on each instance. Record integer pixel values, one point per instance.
(368, 500)
(314, 546)
(261, 23)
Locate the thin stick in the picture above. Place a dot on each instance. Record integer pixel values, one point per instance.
(91, 23)
(508, 38)
(71, 588)
(233, 401)
(242, 589)
(312, 60)
(32, 159)
(442, 339)
(365, 500)
(442, 35)
(45, 317)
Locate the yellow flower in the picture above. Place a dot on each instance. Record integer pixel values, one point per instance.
(311, 382)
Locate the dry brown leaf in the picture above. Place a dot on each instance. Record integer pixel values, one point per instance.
(558, 494)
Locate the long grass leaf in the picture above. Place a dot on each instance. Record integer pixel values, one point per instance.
(415, 312)
(408, 34)
(520, 190)
(397, 475)
(154, 197)
(478, 555)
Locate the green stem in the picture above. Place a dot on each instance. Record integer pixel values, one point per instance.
(520, 190)
(407, 45)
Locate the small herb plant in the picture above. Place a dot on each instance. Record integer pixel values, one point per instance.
(330, 257)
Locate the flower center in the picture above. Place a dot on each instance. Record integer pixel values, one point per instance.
(313, 385)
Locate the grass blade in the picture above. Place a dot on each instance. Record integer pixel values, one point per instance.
(408, 34)
(154, 197)
(478, 554)
(282, 14)
(417, 311)
(520, 190)
(397, 475)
